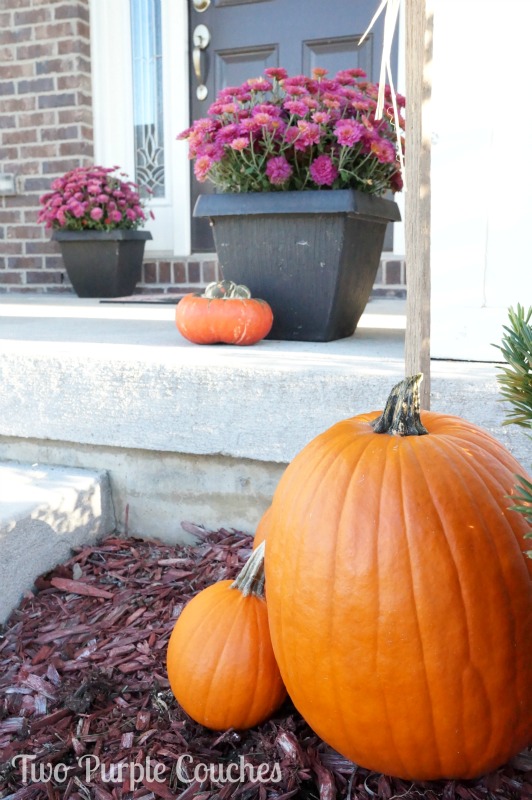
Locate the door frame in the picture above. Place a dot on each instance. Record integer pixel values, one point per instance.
(113, 108)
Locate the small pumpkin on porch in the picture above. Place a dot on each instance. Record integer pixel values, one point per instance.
(220, 661)
(226, 313)
(399, 599)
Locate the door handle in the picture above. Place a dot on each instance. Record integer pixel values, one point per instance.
(200, 39)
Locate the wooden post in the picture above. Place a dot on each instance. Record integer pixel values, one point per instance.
(419, 26)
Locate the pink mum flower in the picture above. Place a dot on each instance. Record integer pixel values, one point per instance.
(296, 107)
(96, 214)
(278, 170)
(278, 73)
(322, 171)
(321, 117)
(259, 85)
(384, 150)
(240, 143)
(202, 167)
(348, 132)
(310, 133)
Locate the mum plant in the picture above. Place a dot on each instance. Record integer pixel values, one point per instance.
(292, 133)
(92, 198)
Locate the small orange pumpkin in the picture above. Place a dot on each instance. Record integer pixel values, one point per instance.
(220, 660)
(226, 313)
(399, 598)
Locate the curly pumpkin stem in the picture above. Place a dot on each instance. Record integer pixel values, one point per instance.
(226, 290)
(250, 579)
(401, 415)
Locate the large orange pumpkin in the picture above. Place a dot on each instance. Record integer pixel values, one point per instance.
(220, 661)
(398, 593)
(225, 313)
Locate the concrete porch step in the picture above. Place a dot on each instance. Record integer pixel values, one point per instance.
(44, 512)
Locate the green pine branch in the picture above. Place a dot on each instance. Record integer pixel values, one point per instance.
(515, 380)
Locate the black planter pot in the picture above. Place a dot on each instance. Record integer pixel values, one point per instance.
(312, 255)
(103, 263)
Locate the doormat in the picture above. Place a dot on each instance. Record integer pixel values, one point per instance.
(158, 299)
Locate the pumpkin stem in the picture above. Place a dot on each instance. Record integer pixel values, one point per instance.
(401, 415)
(250, 579)
(226, 290)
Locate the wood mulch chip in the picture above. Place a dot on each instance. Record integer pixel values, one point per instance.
(83, 688)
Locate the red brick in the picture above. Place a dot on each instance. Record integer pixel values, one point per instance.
(43, 248)
(76, 148)
(11, 249)
(24, 232)
(180, 272)
(35, 86)
(73, 45)
(24, 263)
(37, 119)
(56, 100)
(55, 65)
(8, 215)
(15, 104)
(60, 166)
(54, 30)
(149, 270)
(54, 262)
(210, 271)
(7, 88)
(33, 51)
(7, 153)
(39, 151)
(15, 35)
(8, 122)
(19, 137)
(10, 277)
(194, 272)
(25, 70)
(61, 132)
(6, 53)
(79, 81)
(164, 272)
(72, 10)
(393, 272)
(37, 184)
(43, 276)
(67, 116)
(32, 16)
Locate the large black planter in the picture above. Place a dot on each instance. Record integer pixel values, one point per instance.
(312, 255)
(103, 263)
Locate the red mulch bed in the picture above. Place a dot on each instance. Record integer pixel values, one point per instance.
(82, 666)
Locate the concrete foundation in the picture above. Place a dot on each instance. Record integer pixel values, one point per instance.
(44, 512)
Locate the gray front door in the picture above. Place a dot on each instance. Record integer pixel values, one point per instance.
(246, 36)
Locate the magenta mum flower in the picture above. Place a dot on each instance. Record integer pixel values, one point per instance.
(299, 130)
(384, 150)
(278, 170)
(322, 171)
(348, 131)
(96, 214)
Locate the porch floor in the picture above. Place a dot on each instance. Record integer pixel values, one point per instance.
(198, 433)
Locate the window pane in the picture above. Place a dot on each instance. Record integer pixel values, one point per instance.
(146, 46)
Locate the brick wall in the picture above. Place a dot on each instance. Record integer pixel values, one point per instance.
(45, 126)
